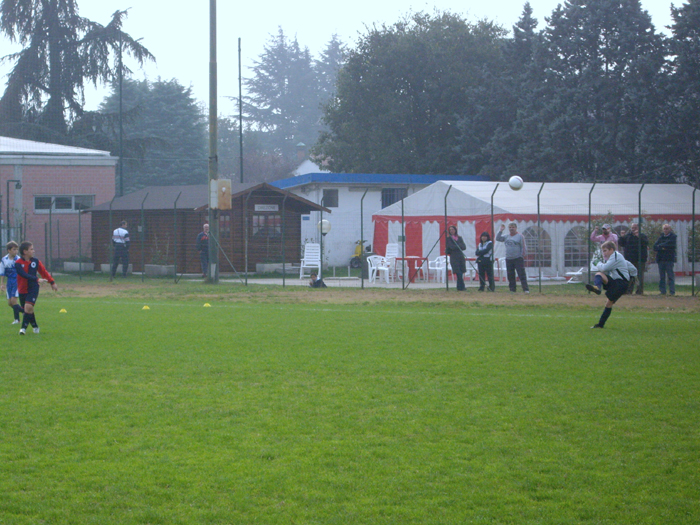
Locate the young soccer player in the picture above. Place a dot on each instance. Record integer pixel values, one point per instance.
(613, 276)
(7, 270)
(28, 267)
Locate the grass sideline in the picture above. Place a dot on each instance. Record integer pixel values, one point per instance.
(301, 407)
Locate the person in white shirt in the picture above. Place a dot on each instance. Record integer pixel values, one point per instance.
(120, 242)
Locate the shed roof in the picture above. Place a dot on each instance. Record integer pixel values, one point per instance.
(190, 197)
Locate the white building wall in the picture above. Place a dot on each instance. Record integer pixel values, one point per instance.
(339, 244)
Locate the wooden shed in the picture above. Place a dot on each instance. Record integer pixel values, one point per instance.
(264, 224)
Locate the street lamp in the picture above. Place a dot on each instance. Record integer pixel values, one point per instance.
(324, 227)
(18, 186)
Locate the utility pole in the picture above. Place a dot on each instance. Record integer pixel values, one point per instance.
(213, 270)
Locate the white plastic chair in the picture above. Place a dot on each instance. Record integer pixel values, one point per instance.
(312, 258)
(574, 277)
(440, 266)
(392, 252)
(373, 264)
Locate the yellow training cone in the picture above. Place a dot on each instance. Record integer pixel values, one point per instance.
(63, 311)
(207, 305)
(145, 308)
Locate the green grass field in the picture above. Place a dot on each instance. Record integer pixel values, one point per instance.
(271, 408)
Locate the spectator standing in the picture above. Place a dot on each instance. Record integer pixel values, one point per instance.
(631, 242)
(665, 247)
(454, 245)
(120, 242)
(606, 235)
(516, 251)
(203, 248)
(484, 262)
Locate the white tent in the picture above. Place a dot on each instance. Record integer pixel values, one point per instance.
(561, 244)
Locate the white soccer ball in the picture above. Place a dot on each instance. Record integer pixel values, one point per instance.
(515, 183)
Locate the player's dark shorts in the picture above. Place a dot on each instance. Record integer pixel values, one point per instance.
(615, 289)
(30, 297)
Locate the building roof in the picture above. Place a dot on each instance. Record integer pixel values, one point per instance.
(189, 197)
(365, 179)
(12, 146)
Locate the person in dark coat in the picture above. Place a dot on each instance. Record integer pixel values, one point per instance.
(630, 241)
(665, 247)
(202, 245)
(484, 262)
(454, 245)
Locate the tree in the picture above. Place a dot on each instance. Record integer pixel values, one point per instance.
(165, 133)
(327, 68)
(61, 51)
(283, 101)
(402, 92)
(597, 115)
(681, 147)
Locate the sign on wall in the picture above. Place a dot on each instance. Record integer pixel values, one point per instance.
(267, 207)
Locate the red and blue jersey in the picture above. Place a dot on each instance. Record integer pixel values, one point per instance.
(27, 271)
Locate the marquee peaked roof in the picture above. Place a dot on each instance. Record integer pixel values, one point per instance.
(470, 198)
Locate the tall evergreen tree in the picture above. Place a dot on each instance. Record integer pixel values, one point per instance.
(165, 132)
(600, 97)
(61, 51)
(284, 101)
(681, 149)
(327, 68)
(402, 92)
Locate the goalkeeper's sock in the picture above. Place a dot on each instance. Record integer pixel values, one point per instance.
(604, 316)
(598, 282)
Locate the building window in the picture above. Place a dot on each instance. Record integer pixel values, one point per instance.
(267, 226)
(576, 247)
(62, 203)
(330, 198)
(539, 248)
(392, 195)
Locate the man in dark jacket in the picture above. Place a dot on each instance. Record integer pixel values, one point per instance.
(665, 247)
(202, 245)
(631, 241)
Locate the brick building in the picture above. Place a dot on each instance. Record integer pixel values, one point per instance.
(44, 186)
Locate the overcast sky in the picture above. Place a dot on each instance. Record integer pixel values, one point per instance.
(177, 33)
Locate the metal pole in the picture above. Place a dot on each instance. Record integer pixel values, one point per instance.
(639, 241)
(213, 146)
(245, 235)
(111, 240)
(284, 239)
(240, 111)
(403, 249)
(363, 259)
(175, 235)
(539, 239)
(80, 246)
(50, 257)
(588, 239)
(121, 123)
(320, 224)
(692, 267)
(447, 281)
(143, 235)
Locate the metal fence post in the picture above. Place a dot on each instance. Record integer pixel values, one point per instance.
(447, 281)
(143, 235)
(175, 235)
(363, 258)
(588, 239)
(539, 240)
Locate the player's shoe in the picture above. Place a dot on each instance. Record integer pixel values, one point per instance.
(36, 329)
(22, 331)
(593, 289)
(16, 321)
(596, 326)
